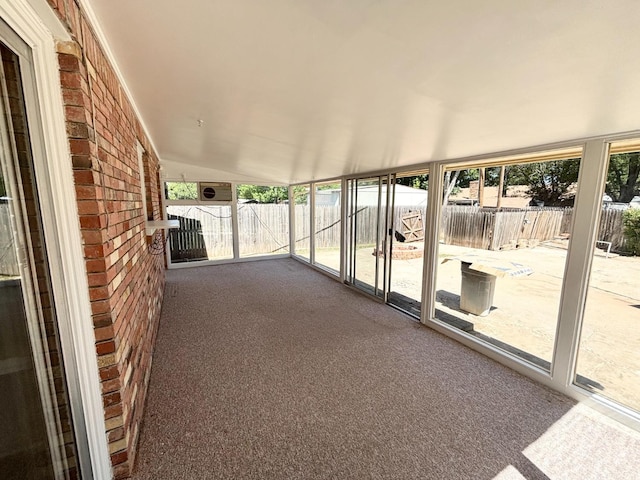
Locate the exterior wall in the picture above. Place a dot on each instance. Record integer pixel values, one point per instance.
(126, 278)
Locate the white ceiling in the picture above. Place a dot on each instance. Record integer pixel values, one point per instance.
(295, 90)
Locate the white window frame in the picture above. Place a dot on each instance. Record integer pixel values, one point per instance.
(591, 181)
(234, 223)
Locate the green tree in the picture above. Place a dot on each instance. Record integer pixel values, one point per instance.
(465, 177)
(263, 194)
(549, 182)
(631, 225)
(414, 181)
(182, 190)
(623, 178)
(266, 194)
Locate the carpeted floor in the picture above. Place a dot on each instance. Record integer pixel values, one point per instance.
(271, 370)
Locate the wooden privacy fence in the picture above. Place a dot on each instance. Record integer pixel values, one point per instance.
(264, 228)
(207, 230)
(611, 229)
(8, 260)
(328, 224)
(187, 242)
(489, 229)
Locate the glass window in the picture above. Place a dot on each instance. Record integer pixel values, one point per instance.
(205, 233)
(609, 350)
(500, 270)
(302, 220)
(328, 225)
(181, 190)
(263, 220)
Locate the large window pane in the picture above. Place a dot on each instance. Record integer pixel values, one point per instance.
(302, 221)
(328, 225)
(407, 243)
(609, 352)
(263, 220)
(205, 233)
(501, 269)
(367, 222)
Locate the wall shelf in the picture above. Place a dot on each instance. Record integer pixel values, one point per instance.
(152, 225)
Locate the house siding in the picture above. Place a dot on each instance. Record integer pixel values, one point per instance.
(125, 274)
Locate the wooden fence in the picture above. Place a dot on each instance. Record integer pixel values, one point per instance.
(8, 259)
(264, 228)
(489, 229)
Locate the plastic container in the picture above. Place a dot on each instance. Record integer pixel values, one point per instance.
(476, 294)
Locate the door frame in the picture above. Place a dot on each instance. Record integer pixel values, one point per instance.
(383, 241)
(29, 33)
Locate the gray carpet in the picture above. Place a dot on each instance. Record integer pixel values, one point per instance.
(270, 370)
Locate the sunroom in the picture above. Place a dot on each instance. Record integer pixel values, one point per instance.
(363, 239)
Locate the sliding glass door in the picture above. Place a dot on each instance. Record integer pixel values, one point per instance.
(367, 239)
(406, 240)
(386, 237)
(36, 438)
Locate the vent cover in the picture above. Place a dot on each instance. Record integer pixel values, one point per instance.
(214, 192)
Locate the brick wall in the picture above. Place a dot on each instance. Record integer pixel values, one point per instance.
(126, 278)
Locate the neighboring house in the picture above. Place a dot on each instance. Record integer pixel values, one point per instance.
(368, 195)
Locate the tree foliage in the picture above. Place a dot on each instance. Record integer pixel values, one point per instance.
(549, 182)
(623, 178)
(414, 181)
(631, 225)
(267, 194)
(182, 190)
(263, 194)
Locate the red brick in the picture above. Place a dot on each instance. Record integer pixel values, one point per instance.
(101, 306)
(86, 192)
(77, 114)
(92, 222)
(103, 333)
(111, 399)
(119, 457)
(103, 348)
(98, 293)
(95, 265)
(79, 146)
(68, 63)
(70, 80)
(88, 207)
(97, 279)
(73, 96)
(113, 411)
(94, 251)
(108, 373)
(83, 177)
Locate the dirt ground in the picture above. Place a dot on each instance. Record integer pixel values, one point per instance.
(525, 309)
